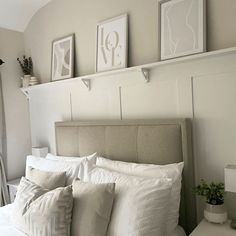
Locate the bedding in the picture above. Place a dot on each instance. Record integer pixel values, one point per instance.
(138, 186)
(6, 225)
(173, 171)
(41, 212)
(47, 179)
(140, 204)
(72, 168)
(91, 159)
(52, 157)
(7, 228)
(91, 208)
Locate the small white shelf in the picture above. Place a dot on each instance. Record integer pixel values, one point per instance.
(143, 69)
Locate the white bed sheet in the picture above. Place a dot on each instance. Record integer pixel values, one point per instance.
(7, 228)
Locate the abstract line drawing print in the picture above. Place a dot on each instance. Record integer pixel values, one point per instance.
(62, 59)
(182, 28)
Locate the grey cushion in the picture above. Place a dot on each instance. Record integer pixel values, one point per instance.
(47, 179)
(92, 208)
(40, 212)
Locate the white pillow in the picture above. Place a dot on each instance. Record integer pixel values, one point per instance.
(52, 157)
(140, 204)
(91, 159)
(173, 171)
(73, 169)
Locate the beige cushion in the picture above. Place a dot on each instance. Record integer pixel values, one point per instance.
(40, 212)
(47, 179)
(92, 208)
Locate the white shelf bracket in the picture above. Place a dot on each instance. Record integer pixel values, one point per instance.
(26, 93)
(87, 83)
(145, 74)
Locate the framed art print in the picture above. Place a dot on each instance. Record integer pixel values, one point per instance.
(111, 44)
(182, 28)
(63, 58)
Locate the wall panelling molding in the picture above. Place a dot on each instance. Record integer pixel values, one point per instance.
(202, 89)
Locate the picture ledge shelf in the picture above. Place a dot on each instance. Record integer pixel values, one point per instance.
(143, 69)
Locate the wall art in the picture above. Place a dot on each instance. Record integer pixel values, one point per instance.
(182, 28)
(111, 44)
(63, 58)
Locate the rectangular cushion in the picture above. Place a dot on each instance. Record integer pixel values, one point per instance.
(92, 208)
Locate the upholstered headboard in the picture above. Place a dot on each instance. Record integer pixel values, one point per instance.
(141, 141)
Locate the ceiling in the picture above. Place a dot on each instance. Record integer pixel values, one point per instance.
(16, 14)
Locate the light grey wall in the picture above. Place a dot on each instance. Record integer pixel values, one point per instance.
(18, 140)
(62, 17)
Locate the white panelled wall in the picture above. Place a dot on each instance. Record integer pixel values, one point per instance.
(204, 89)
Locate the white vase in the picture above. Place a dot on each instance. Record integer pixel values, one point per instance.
(215, 213)
(25, 81)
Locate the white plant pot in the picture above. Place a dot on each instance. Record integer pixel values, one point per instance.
(215, 213)
(25, 81)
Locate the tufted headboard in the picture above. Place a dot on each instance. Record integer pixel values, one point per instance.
(141, 141)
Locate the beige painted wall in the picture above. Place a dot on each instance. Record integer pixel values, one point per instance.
(15, 105)
(62, 17)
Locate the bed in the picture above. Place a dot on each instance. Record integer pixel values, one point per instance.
(141, 141)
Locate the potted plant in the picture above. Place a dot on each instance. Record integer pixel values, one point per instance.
(1, 62)
(215, 210)
(27, 67)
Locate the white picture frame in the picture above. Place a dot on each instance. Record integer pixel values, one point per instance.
(112, 44)
(62, 66)
(181, 39)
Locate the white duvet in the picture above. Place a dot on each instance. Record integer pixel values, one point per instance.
(7, 229)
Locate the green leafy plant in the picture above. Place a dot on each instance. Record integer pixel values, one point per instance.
(213, 192)
(26, 65)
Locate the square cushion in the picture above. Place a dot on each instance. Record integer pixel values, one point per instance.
(40, 212)
(92, 208)
(47, 179)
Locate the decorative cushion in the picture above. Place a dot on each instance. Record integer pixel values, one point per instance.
(40, 212)
(140, 204)
(92, 208)
(47, 179)
(173, 171)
